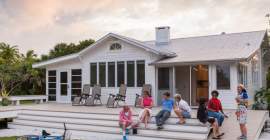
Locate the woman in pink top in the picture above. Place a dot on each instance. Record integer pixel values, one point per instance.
(146, 105)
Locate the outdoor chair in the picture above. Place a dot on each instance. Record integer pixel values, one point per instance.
(138, 99)
(81, 98)
(95, 97)
(114, 99)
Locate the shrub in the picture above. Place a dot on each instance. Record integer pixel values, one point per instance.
(262, 99)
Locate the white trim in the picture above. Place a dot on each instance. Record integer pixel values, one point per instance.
(98, 73)
(115, 74)
(55, 60)
(173, 80)
(106, 77)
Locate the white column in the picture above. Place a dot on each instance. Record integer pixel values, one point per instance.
(97, 73)
(125, 72)
(106, 74)
(173, 80)
(47, 85)
(156, 89)
(115, 73)
(190, 84)
(135, 78)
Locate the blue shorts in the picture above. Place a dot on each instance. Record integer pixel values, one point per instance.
(186, 114)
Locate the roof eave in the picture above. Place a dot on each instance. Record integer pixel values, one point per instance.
(54, 60)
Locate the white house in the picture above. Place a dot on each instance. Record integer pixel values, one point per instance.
(192, 66)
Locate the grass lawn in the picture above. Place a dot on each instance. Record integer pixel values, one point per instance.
(7, 138)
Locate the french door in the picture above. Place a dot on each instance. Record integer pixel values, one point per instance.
(64, 87)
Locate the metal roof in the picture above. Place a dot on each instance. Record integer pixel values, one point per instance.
(222, 47)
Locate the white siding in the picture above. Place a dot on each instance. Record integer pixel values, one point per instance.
(102, 53)
(227, 97)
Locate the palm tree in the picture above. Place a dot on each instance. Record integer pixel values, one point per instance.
(8, 53)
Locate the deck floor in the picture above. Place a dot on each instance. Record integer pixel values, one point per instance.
(230, 126)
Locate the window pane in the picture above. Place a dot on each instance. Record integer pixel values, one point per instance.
(52, 79)
(52, 85)
(52, 91)
(93, 70)
(76, 92)
(102, 74)
(52, 73)
(223, 76)
(76, 85)
(64, 89)
(63, 77)
(120, 73)
(111, 74)
(76, 72)
(130, 73)
(52, 98)
(140, 73)
(163, 78)
(76, 78)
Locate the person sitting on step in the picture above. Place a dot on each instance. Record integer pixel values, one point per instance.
(146, 105)
(165, 113)
(181, 109)
(203, 117)
(215, 108)
(125, 120)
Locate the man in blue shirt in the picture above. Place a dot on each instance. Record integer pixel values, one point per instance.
(165, 113)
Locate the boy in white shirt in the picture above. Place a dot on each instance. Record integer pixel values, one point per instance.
(181, 109)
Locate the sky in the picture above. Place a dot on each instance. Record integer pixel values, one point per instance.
(40, 24)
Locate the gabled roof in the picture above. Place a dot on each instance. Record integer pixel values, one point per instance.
(212, 48)
(123, 38)
(222, 47)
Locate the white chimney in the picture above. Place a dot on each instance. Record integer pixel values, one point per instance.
(162, 35)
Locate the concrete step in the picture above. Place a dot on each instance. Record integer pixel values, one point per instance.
(98, 116)
(78, 135)
(33, 126)
(112, 123)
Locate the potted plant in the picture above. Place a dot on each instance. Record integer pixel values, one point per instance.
(262, 99)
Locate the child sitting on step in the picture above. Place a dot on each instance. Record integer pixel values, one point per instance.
(125, 120)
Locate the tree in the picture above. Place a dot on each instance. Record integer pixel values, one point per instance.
(62, 49)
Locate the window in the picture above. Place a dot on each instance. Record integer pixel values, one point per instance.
(93, 74)
(223, 76)
(130, 73)
(115, 46)
(140, 73)
(64, 83)
(242, 74)
(111, 74)
(163, 78)
(76, 82)
(255, 72)
(52, 85)
(120, 73)
(102, 74)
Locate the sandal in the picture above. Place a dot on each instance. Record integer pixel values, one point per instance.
(220, 135)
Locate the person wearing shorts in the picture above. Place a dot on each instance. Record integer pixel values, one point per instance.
(146, 105)
(181, 109)
(241, 112)
(202, 116)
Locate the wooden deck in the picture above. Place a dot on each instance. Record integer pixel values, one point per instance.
(256, 119)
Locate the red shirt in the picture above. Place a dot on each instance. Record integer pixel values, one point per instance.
(147, 101)
(215, 104)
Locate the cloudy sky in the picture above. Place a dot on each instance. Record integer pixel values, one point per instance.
(40, 24)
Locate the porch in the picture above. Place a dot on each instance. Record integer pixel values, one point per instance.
(72, 114)
(196, 81)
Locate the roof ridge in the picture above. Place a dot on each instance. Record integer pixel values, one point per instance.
(210, 35)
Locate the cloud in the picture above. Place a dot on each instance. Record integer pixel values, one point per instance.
(39, 25)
